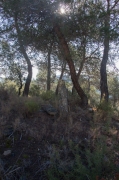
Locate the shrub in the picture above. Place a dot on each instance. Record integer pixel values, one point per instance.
(83, 164)
(34, 90)
(48, 95)
(13, 106)
(105, 111)
(105, 106)
(31, 107)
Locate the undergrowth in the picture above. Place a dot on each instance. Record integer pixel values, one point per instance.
(31, 106)
(82, 164)
(69, 158)
(48, 95)
(106, 109)
(11, 104)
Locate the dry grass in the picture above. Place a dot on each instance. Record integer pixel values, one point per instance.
(18, 105)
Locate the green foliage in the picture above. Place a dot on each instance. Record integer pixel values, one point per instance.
(48, 95)
(31, 107)
(106, 111)
(105, 106)
(94, 96)
(10, 86)
(34, 89)
(13, 66)
(86, 164)
(113, 84)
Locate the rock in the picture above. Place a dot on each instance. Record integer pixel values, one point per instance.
(6, 153)
(49, 109)
(63, 99)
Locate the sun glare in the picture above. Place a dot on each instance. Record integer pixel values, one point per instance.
(62, 10)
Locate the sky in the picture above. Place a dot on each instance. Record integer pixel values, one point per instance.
(35, 71)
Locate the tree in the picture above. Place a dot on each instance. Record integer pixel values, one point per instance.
(49, 66)
(12, 14)
(103, 73)
(13, 69)
(68, 58)
(37, 22)
(22, 49)
(107, 37)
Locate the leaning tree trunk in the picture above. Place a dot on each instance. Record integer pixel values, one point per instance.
(68, 58)
(81, 66)
(29, 77)
(28, 81)
(103, 72)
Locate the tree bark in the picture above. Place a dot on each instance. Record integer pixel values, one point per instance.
(103, 72)
(29, 77)
(28, 81)
(20, 80)
(68, 58)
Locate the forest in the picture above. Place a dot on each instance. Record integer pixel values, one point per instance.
(59, 89)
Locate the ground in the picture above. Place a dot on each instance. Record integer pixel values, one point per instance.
(37, 140)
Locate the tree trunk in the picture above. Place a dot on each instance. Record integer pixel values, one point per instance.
(29, 77)
(68, 58)
(28, 81)
(81, 66)
(103, 72)
(49, 67)
(20, 80)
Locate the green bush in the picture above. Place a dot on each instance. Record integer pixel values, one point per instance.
(106, 111)
(105, 106)
(48, 95)
(34, 90)
(31, 107)
(85, 165)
